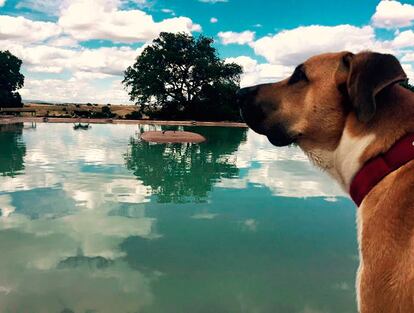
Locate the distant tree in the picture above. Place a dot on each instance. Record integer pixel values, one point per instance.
(10, 80)
(106, 112)
(134, 115)
(181, 77)
(407, 85)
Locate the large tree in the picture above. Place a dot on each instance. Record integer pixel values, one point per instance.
(10, 80)
(180, 76)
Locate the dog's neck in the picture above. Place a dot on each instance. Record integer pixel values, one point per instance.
(343, 162)
(359, 142)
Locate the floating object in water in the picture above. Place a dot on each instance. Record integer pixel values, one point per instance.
(170, 136)
(81, 126)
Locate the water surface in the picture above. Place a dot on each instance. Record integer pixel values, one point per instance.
(99, 221)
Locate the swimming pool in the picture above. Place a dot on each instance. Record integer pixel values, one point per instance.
(98, 221)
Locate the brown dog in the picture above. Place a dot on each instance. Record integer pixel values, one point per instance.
(348, 113)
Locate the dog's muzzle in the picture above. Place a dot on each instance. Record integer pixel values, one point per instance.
(252, 113)
(250, 110)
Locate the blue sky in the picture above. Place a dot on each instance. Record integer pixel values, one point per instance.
(76, 50)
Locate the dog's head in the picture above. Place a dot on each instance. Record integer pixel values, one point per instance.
(311, 106)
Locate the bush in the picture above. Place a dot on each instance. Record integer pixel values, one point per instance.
(135, 115)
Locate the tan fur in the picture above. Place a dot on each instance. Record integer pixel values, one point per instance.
(326, 127)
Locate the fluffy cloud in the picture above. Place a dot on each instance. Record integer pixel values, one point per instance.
(393, 14)
(255, 73)
(21, 29)
(63, 41)
(237, 38)
(168, 11)
(409, 70)
(86, 66)
(42, 58)
(404, 39)
(213, 20)
(408, 57)
(82, 88)
(2, 3)
(291, 47)
(53, 48)
(110, 23)
(111, 61)
(106, 60)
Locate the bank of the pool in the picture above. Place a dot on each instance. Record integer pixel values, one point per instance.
(11, 120)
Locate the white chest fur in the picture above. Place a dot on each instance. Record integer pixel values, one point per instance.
(343, 162)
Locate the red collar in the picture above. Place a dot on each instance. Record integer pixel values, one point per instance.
(380, 166)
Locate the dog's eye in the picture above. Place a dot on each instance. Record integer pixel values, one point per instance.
(298, 75)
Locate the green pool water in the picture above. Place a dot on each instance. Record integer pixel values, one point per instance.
(98, 221)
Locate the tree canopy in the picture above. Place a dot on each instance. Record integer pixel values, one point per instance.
(181, 77)
(10, 80)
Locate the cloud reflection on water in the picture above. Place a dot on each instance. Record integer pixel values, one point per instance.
(74, 192)
(285, 171)
(42, 237)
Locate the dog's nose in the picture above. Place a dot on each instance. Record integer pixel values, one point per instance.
(245, 93)
(250, 109)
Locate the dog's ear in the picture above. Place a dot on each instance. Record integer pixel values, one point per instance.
(369, 74)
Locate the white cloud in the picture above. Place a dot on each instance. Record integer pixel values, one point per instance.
(54, 48)
(213, 20)
(63, 41)
(110, 23)
(408, 57)
(236, 38)
(111, 61)
(46, 69)
(404, 39)
(291, 47)
(255, 73)
(41, 56)
(86, 66)
(21, 29)
(409, 70)
(82, 88)
(168, 11)
(2, 3)
(393, 14)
